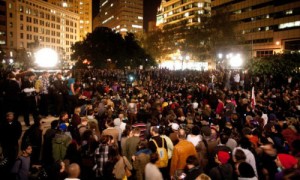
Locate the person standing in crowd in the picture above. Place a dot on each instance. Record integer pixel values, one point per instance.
(29, 98)
(156, 142)
(131, 144)
(224, 170)
(10, 133)
(11, 92)
(21, 167)
(285, 163)
(44, 93)
(71, 98)
(47, 144)
(60, 90)
(115, 167)
(181, 151)
(33, 136)
(101, 155)
(193, 168)
(110, 130)
(151, 170)
(73, 172)
(140, 159)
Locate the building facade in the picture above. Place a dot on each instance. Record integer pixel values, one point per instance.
(34, 24)
(81, 7)
(121, 15)
(182, 12)
(3, 24)
(268, 26)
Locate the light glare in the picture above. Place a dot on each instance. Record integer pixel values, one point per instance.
(46, 57)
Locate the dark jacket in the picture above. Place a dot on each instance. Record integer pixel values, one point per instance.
(192, 174)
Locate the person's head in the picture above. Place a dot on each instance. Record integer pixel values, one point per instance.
(64, 116)
(222, 157)
(26, 149)
(245, 170)
(136, 131)
(286, 161)
(245, 143)
(10, 116)
(77, 110)
(195, 130)
(31, 76)
(181, 134)
(93, 126)
(206, 131)
(69, 74)
(153, 158)
(239, 156)
(154, 130)
(113, 153)
(84, 121)
(192, 161)
(104, 139)
(110, 122)
(54, 124)
(62, 127)
(59, 76)
(73, 170)
(45, 74)
(175, 127)
(224, 138)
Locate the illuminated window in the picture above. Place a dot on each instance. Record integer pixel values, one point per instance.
(289, 25)
(289, 12)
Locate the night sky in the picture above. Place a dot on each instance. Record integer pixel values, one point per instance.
(150, 9)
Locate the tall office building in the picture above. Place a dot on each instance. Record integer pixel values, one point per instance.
(2, 24)
(182, 12)
(122, 15)
(268, 26)
(81, 7)
(36, 23)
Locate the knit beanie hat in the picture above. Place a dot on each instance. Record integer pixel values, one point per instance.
(287, 161)
(223, 156)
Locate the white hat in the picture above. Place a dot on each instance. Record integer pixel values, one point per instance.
(175, 126)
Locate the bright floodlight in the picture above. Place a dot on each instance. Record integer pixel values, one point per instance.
(236, 61)
(46, 57)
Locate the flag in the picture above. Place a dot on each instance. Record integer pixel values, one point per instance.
(253, 102)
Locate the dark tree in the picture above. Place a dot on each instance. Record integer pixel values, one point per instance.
(276, 65)
(105, 48)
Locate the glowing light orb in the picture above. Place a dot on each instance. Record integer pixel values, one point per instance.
(236, 61)
(46, 57)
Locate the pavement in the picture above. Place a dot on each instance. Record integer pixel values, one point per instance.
(45, 122)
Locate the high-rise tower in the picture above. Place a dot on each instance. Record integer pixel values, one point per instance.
(122, 15)
(81, 7)
(268, 26)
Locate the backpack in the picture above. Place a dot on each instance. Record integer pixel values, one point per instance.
(60, 144)
(163, 155)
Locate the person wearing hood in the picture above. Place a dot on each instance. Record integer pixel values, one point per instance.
(141, 158)
(286, 163)
(224, 170)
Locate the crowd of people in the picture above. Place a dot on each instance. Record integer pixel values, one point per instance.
(149, 124)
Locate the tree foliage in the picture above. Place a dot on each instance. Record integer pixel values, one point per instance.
(104, 46)
(276, 65)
